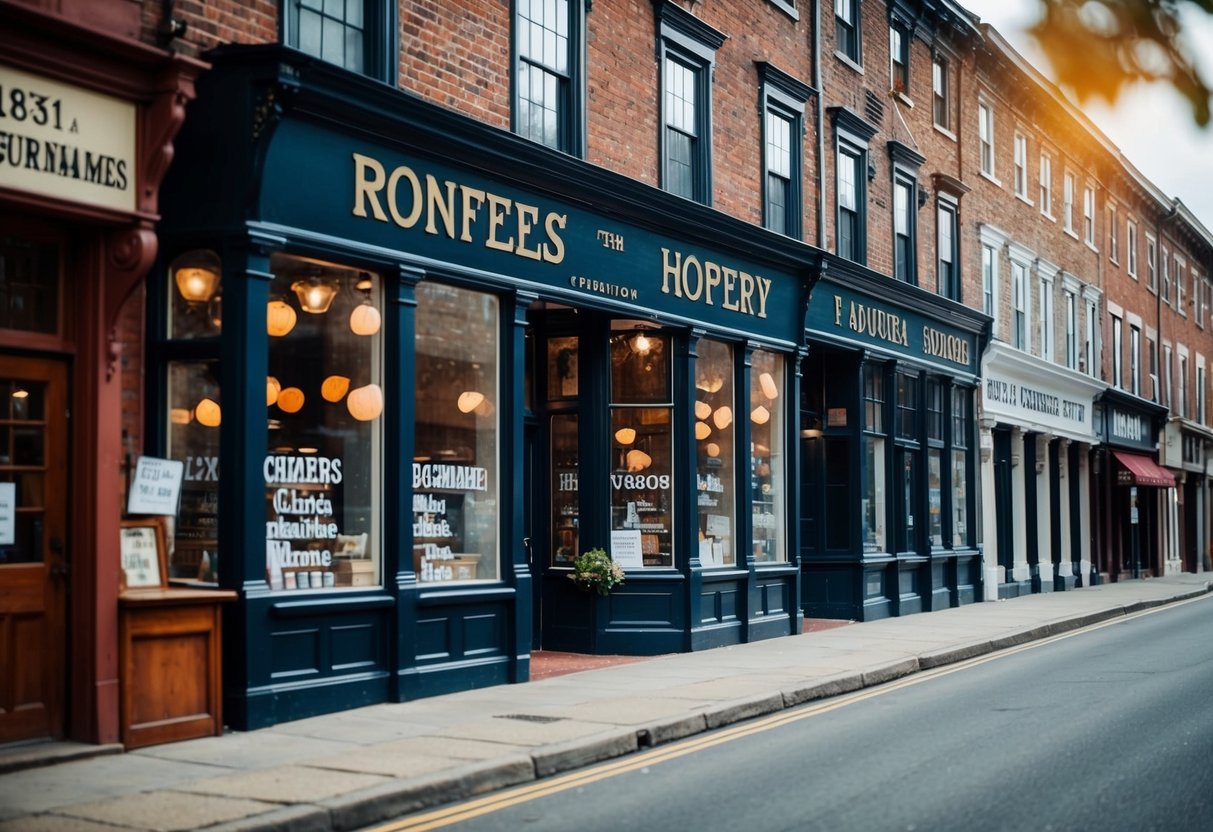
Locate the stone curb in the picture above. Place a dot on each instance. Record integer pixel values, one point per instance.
(390, 800)
(37, 757)
(303, 817)
(575, 753)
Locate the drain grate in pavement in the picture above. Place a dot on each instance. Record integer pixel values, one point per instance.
(530, 717)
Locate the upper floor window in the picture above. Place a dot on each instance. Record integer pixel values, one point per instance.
(948, 277)
(1021, 165)
(1131, 246)
(1019, 296)
(941, 95)
(1088, 215)
(549, 98)
(1071, 330)
(1118, 379)
(783, 101)
(846, 28)
(1113, 235)
(1168, 370)
(1134, 360)
(1044, 317)
(1152, 362)
(354, 34)
(989, 281)
(851, 198)
(1067, 202)
(1183, 385)
(688, 50)
(1198, 298)
(985, 134)
(904, 216)
(1200, 392)
(1151, 263)
(1046, 185)
(1180, 277)
(899, 59)
(1090, 346)
(1166, 275)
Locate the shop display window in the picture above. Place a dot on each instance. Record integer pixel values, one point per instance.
(456, 503)
(874, 495)
(935, 497)
(323, 467)
(196, 295)
(960, 499)
(193, 439)
(565, 505)
(641, 481)
(767, 458)
(29, 288)
(714, 432)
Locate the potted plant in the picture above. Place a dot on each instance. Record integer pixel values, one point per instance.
(594, 570)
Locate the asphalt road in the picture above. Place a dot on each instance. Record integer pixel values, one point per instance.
(1107, 729)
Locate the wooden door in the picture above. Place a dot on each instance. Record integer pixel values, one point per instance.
(33, 560)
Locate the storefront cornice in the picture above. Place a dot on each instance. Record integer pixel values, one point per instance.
(1001, 357)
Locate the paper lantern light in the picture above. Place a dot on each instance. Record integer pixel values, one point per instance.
(767, 383)
(365, 403)
(702, 411)
(291, 400)
(702, 430)
(723, 417)
(279, 318)
(208, 413)
(469, 400)
(638, 460)
(625, 436)
(365, 320)
(333, 388)
(760, 415)
(180, 416)
(272, 389)
(713, 450)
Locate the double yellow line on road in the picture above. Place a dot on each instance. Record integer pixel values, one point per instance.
(447, 816)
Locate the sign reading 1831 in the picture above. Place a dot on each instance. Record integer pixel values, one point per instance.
(64, 141)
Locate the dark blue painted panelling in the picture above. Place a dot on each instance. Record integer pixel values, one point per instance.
(643, 609)
(433, 639)
(775, 596)
(356, 647)
(729, 604)
(484, 634)
(295, 654)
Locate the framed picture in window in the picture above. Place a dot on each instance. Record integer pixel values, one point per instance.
(142, 552)
(562, 368)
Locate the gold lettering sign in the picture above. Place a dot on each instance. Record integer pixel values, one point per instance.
(948, 347)
(703, 281)
(450, 210)
(873, 322)
(66, 142)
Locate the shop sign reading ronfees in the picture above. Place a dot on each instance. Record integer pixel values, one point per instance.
(303, 514)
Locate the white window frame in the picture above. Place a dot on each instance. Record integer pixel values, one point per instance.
(1113, 234)
(1181, 266)
(1045, 330)
(1131, 247)
(1091, 344)
(995, 241)
(1135, 358)
(1151, 262)
(1067, 203)
(1118, 369)
(1165, 288)
(1088, 215)
(1021, 167)
(1046, 185)
(1021, 296)
(985, 137)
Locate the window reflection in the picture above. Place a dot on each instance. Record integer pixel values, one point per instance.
(714, 431)
(767, 456)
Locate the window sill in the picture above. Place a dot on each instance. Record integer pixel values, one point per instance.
(1025, 200)
(1069, 233)
(902, 97)
(1113, 261)
(787, 8)
(945, 131)
(1090, 245)
(849, 61)
(1048, 216)
(991, 177)
(1132, 275)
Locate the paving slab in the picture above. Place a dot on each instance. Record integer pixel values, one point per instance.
(285, 784)
(242, 750)
(168, 811)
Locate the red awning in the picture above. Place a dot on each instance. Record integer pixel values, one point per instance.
(1141, 470)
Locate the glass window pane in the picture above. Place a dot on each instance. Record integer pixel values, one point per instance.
(640, 366)
(715, 453)
(455, 470)
(565, 506)
(767, 457)
(960, 500)
(325, 403)
(562, 367)
(935, 498)
(193, 439)
(309, 32)
(29, 284)
(873, 497)
(642, 489)
(332, 41)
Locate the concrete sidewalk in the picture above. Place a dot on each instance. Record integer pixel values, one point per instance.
(347, 770)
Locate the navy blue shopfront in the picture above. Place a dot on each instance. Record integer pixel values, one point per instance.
(889, 450)
(416, 365)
